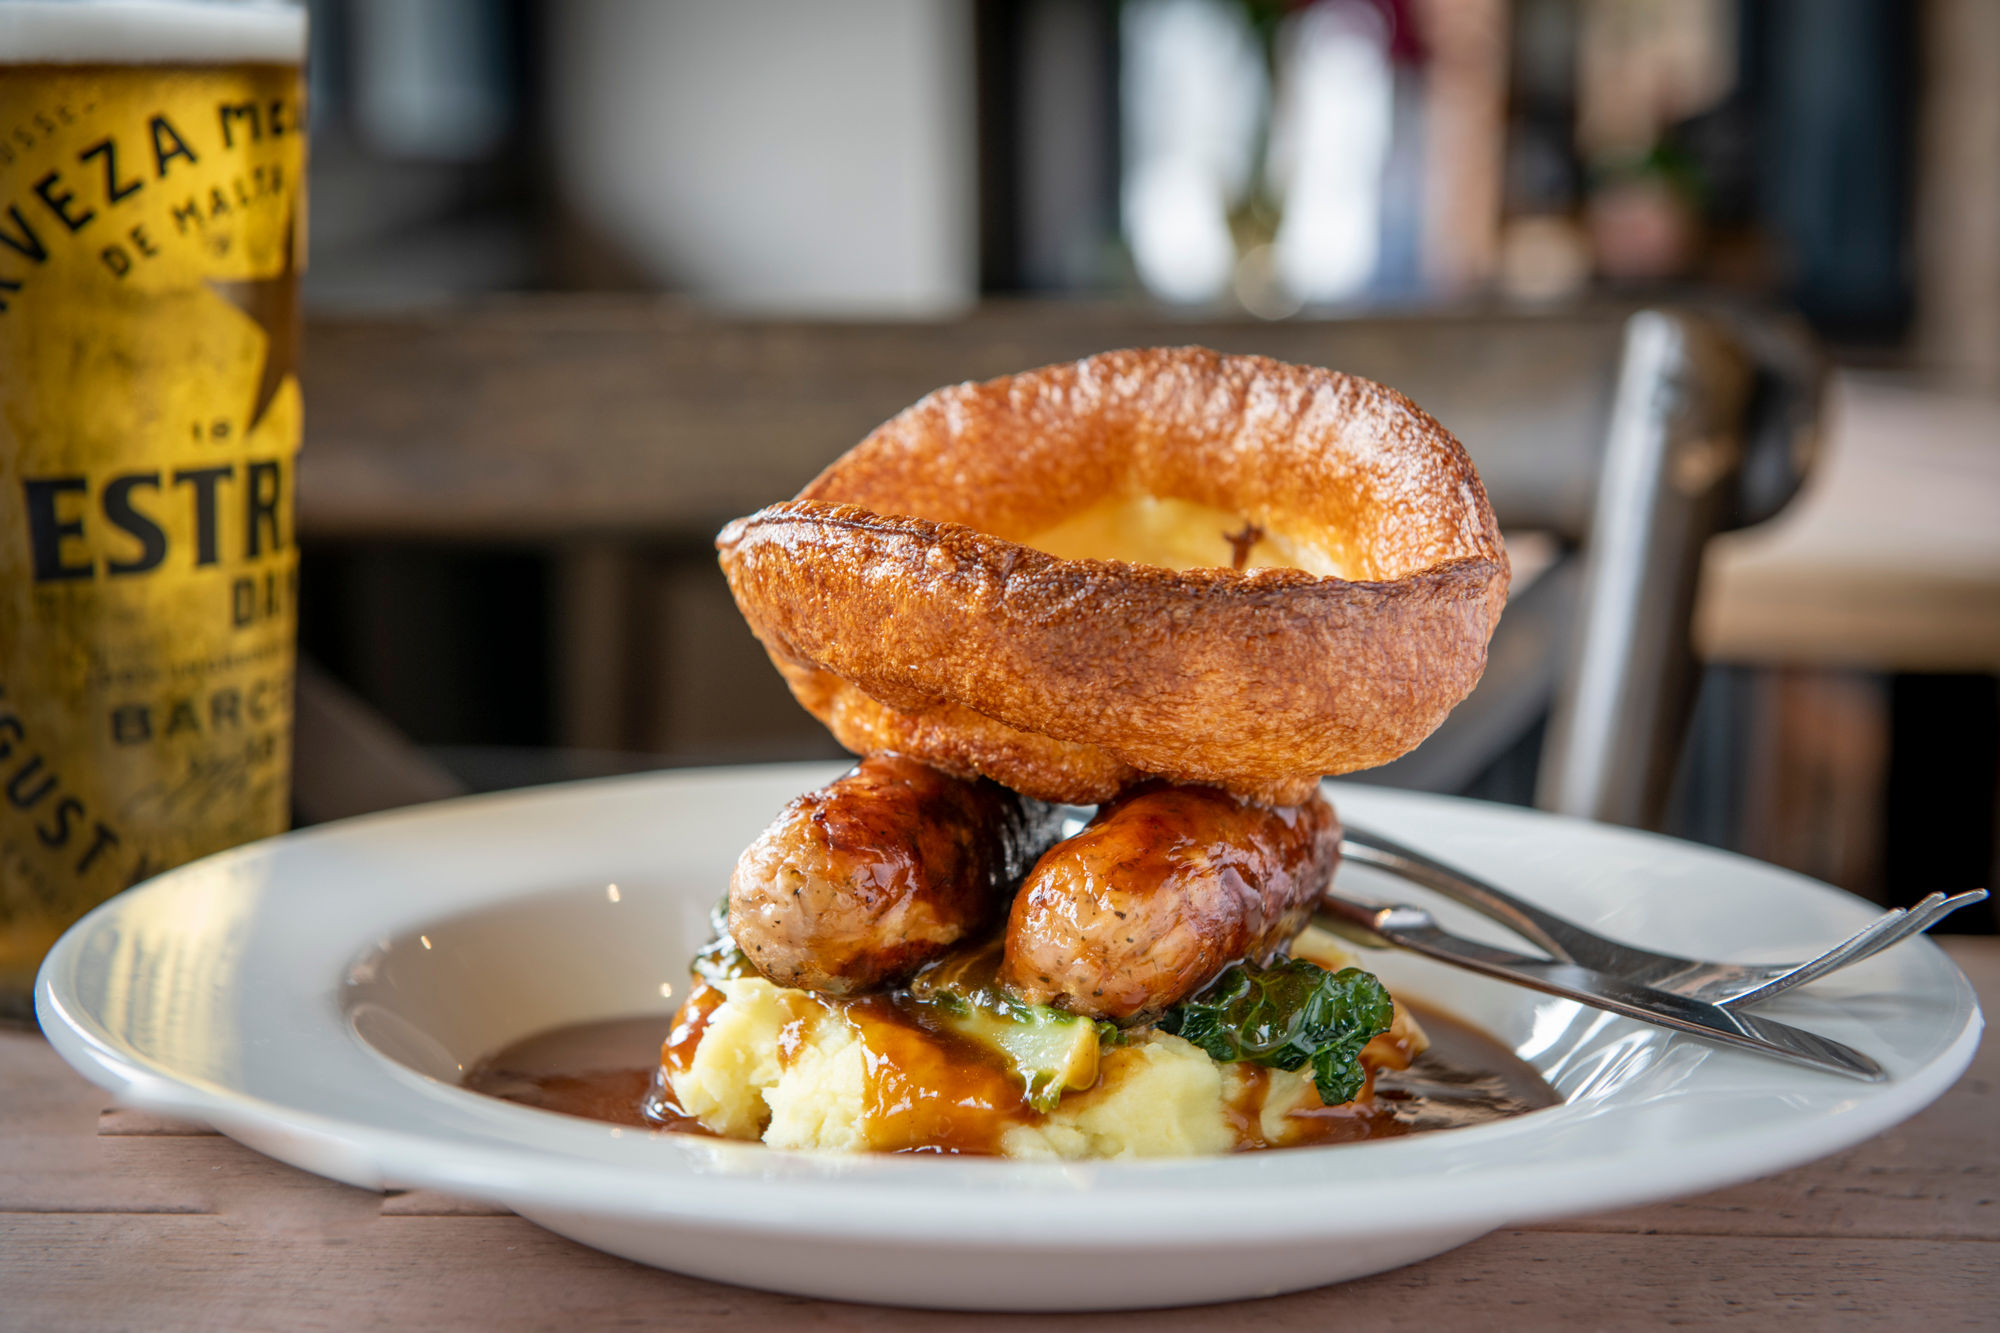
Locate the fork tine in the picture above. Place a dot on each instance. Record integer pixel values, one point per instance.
(1858, 945)
(1920, 918)
(1933, 909)
(1884, 932)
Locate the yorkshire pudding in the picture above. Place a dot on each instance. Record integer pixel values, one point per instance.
(1156, 562)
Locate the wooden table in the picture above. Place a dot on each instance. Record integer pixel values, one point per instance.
(111, 1219)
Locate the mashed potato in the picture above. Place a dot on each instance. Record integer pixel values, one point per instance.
(801, 1071)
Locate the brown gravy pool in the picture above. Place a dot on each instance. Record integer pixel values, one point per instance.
(605, 1071)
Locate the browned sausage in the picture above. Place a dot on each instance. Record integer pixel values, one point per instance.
(1161, 891)
(857, 885)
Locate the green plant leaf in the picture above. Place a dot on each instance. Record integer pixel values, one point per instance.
(1288, 1015)
(1050, 1051)
(720, 959)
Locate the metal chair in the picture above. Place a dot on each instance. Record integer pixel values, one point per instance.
(1711, 424)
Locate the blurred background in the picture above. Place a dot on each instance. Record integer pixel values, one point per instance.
(589, 277)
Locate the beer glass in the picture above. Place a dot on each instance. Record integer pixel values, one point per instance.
(152, 229)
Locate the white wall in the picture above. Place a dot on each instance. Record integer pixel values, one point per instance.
(777, 155)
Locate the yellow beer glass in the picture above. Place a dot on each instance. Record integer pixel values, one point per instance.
(152, 229)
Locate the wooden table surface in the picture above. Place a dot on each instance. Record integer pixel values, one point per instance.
(112, 1219)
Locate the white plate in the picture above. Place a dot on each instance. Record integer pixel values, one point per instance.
(316, 996)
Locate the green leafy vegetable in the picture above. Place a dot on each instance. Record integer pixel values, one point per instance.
(1050, 1051)
(720, 959)
(1287, 1015)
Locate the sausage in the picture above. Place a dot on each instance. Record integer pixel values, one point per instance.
(1159, 893)
(857, 885)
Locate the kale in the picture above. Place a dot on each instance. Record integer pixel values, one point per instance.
(1050, 1051)
(1288, 1014)
(720, 959)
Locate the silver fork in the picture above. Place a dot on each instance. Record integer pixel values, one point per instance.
(1726, 984)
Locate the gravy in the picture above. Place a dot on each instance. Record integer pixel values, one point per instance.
(609, 1071)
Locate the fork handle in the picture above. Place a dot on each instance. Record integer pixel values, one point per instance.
(1562, 940)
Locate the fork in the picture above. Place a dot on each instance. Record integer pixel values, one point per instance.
(1728, 985)
(1403, 926)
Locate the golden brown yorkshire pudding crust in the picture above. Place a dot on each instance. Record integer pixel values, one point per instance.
(902, 603)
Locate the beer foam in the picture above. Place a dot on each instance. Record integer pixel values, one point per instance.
(150, 32)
